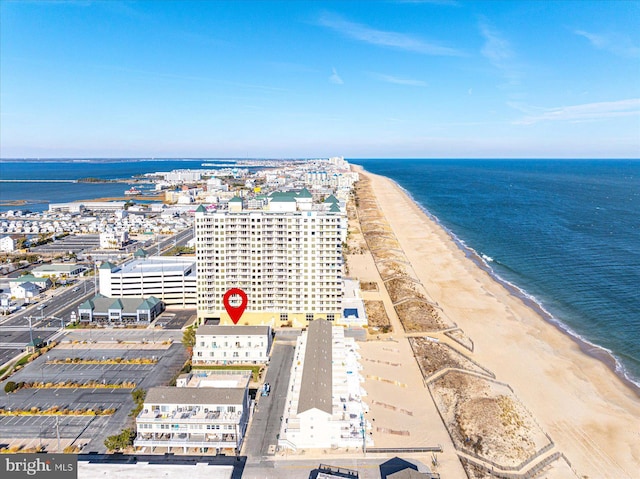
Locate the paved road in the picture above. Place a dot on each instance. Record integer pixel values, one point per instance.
(58, 303)
(179, 239)
(46, 318)
(262, 436)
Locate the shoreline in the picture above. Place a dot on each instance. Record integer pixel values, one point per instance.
(591, 349)
(574, 394)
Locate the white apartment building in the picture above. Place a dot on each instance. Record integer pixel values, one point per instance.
(171, 279)
(324, 407)
(232, 344)
(114, 239)
(7, 244)
(77, 207)
(288, 263)
(206, 410)
(183, 176)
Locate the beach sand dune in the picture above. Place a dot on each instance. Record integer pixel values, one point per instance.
(567, 402)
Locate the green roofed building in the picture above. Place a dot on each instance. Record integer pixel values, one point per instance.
(331, 199)
(101, 309)
(282, 201)
(304, 193)
(110, 266)
(28, 280)
(141, 253)
(235, 204)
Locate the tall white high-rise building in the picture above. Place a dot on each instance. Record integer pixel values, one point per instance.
(288, 263)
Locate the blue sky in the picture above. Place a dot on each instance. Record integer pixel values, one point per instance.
(387, 79)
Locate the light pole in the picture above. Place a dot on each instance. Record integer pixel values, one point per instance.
(61, 321)
(30, 332)
(95, 278)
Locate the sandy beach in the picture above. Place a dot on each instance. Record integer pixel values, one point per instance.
(573, 405)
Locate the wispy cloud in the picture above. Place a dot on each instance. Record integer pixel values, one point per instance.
(579, 113)
(335, 78)
(401, 41)
(397, 80)
(614, 43)
(498, 51)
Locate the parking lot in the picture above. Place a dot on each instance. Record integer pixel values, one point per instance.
(96, 345)
(8, 353)
(175, 318)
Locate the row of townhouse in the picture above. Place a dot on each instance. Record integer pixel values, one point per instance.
(206, 410)
(99, 222)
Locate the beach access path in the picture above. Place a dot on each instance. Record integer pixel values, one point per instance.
(590, 414)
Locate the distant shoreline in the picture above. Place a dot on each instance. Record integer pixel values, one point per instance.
(13, 202)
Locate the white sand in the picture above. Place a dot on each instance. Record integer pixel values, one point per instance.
(591, 415)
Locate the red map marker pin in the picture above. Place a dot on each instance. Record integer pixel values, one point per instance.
(235, 311)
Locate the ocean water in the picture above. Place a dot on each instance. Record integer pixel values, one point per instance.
(565, 235)
(39, 195)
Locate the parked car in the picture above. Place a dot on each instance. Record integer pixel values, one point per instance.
(266, 389)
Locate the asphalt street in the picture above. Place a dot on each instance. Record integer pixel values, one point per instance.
(262, 436)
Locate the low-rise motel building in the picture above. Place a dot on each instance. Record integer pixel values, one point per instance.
(287, 258)
(324, 407)
(232, 344)
(59, 270)
(206, 410)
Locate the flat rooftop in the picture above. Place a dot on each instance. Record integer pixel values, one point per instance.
(158, 265)
(216, 379)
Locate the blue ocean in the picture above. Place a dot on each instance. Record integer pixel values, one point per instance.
(564, 235)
